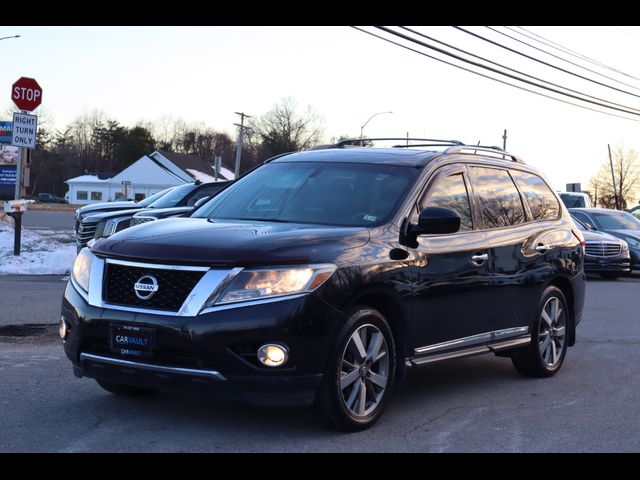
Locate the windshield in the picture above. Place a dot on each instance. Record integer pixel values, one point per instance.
(345, 194)
(149, 200)
(573, 201)
(174, 197)
(616, 221)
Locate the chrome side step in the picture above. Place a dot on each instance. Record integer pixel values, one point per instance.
(469, 351)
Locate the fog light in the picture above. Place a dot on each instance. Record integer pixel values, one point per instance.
(63, 330)
(273, 355)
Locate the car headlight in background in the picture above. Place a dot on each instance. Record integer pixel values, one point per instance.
(114, 225)
(633, 242)
(82, 269)
(254, 284)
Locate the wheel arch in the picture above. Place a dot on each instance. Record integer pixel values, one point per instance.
(390, 304)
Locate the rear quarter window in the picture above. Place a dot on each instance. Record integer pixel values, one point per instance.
(543, 204)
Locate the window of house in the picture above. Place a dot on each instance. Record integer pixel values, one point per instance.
(82, 195)
(450, 192)
(500, 202)
(96, 195)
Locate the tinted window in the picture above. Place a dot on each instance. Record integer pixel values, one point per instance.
(205, 192)
(542, 202)
(583, 218)
(149, 200)
(572, 201)
(314, 192)
(174, 197)
(616, 221)
(499, 200)
(450, 192)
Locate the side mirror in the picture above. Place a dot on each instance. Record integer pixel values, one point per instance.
(201, 202)
(436, 220)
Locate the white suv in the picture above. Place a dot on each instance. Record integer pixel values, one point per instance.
(575, 199)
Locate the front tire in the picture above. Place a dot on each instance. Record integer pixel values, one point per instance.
(544, 356)
(360, 373)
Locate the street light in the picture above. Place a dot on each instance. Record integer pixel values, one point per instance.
(365, 124)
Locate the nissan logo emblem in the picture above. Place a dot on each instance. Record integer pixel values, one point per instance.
(146, 287)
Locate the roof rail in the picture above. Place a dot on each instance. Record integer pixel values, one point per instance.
(349, 141)
(493, 150)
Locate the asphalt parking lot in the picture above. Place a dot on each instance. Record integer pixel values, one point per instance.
(470, 405)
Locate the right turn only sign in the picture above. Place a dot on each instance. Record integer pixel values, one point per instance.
(25, 127)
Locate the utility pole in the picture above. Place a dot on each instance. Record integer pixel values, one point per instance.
(239, 145)
(504, 140)
(613, 179)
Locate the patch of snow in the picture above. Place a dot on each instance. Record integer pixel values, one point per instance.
(206, 178)
(87, 178)
(42, 252)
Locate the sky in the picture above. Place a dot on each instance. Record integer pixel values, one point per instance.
(205, 74)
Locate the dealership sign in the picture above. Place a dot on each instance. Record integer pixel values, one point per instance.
(25, 127)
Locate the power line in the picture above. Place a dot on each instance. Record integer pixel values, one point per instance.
(557, 46)
(560, 58)
(517, 71)
(519, 87)
(509, 75)
(543, 62)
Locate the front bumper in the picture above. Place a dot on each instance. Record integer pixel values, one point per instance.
(212, 353)
(606, 264)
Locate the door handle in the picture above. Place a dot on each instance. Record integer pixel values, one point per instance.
(542, 248)
(479, 259)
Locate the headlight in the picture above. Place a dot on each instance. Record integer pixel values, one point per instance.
(253, 284)
(82, 268)
(114, 225)
(633, 242)
(625, 246)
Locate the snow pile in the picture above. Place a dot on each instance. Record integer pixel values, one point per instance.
(42, 252)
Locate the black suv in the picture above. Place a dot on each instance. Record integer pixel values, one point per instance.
(324, 275)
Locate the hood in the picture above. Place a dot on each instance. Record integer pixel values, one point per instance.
(232, 243)
(105, 206)
(625, 233)
(594, 236)
(165, 212)
(99, 216)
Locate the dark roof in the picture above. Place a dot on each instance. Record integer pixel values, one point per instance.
(386, 156)
(189, 160)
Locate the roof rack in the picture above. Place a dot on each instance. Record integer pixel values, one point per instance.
(350, 141)
(492, 150)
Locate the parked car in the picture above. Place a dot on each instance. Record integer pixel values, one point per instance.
(323, 275)
(153, 214)
(604, 254)
(614, 222)
(94, 208)
(105, 224)
(575, 199)
(635, 211)
(50, 198)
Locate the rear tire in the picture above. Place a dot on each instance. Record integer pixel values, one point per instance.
(544, 356)
(360, 373)
(125, 390)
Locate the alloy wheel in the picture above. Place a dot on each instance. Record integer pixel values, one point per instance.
(364, 370)
(551, 333)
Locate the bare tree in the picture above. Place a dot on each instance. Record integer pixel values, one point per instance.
(284, 129)
(626, 168)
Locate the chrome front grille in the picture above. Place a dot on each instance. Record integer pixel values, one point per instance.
(602, 249)
(138, 220)
(85, 232)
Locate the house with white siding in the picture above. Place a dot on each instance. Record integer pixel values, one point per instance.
(146, 176)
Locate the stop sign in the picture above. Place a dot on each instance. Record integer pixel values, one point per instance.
(26, 93)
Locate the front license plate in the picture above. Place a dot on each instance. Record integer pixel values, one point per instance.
(132, 340)
(603, 263)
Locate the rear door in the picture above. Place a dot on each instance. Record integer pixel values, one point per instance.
(524, 241)
(451, 302)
